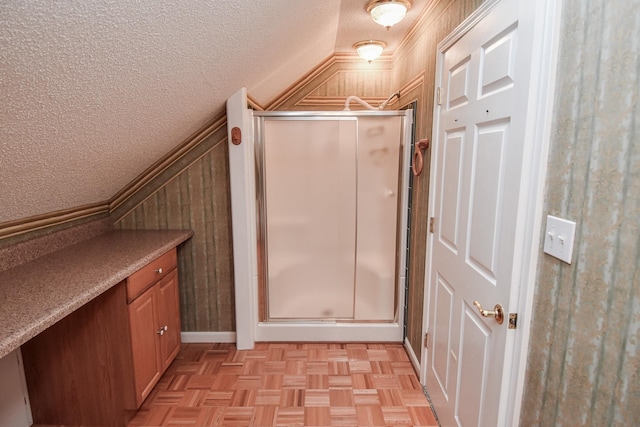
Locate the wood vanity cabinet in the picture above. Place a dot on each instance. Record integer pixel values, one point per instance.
(154, 320)
(97, 365)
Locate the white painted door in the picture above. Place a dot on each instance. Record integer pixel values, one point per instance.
(480, 183)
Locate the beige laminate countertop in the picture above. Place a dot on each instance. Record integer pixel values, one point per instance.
(35, 295)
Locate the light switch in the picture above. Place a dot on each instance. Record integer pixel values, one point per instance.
(558, 238)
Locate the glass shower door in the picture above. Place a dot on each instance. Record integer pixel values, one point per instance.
(310, 208)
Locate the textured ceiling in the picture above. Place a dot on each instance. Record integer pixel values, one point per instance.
(95, 91)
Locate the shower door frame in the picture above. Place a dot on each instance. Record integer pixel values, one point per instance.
(331, 329)
(242, 174)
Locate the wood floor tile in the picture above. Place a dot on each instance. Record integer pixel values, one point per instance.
(370, 415)
(362, 381)
(381, 367)
(290, 416)
(268, 397)
(317, 416)
(390, 397)
(218, 398)
(343, 416)
(264, 416)
(272, 381)
(288, 384)
(244, 397)
(385, 381)
(356, 366)
(316, 398)
(414, 398)
(237, 416)
(199, 381)
(175, 382)
(318, 368)
(294, 381)
(368, 396)
(422, 416)
(397, 415)
(340, 381)
(318, 381)
(292, 397)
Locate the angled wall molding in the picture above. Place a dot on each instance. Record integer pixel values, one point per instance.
(15, 228)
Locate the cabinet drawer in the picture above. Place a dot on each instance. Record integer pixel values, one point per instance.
(139, 281)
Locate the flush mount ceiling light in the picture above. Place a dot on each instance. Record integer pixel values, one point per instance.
(369, 49)
(388, 12)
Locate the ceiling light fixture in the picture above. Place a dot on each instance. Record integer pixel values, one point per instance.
(388, 12)
(369, 49)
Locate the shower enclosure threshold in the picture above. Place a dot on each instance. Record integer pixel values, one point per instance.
(329, 331)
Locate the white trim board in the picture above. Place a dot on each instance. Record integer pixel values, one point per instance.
(208, 337)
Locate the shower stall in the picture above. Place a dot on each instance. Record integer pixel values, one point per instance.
(321, 201)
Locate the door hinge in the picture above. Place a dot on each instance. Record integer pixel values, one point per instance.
(438, 98)
(426, 340)
(513, 320)
(432, 224)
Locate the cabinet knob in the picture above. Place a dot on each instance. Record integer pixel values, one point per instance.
(160, 332)
(159, 270)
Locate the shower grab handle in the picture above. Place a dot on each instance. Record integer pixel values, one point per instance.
(418, 160)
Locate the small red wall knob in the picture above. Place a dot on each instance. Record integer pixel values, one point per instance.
(236, 136)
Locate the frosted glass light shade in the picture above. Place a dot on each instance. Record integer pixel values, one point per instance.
(388, 12)
(369, 49)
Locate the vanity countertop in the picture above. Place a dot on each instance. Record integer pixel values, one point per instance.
(36, 294)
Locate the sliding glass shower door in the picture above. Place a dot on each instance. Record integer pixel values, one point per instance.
(329, 216)
(310, 183)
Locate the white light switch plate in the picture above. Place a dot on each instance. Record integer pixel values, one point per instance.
(558, 238)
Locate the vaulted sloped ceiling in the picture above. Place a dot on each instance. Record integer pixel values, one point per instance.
(95, 91)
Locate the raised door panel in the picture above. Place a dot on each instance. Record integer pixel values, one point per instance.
(144, 343)
(169, 317)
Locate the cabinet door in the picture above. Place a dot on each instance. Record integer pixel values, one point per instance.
(145, 343)
(169, 317)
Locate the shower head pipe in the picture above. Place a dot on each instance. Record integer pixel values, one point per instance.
(366, 104)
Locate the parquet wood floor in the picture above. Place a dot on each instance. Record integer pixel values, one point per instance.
(288, 384)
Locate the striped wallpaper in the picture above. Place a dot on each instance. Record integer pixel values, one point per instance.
(584, 360)
(197, 198)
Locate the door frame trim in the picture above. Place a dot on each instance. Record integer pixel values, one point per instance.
(539, 125)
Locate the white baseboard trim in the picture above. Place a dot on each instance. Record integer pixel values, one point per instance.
(412, 355)
(207, 337)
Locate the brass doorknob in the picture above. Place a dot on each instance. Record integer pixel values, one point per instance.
(497, 312)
